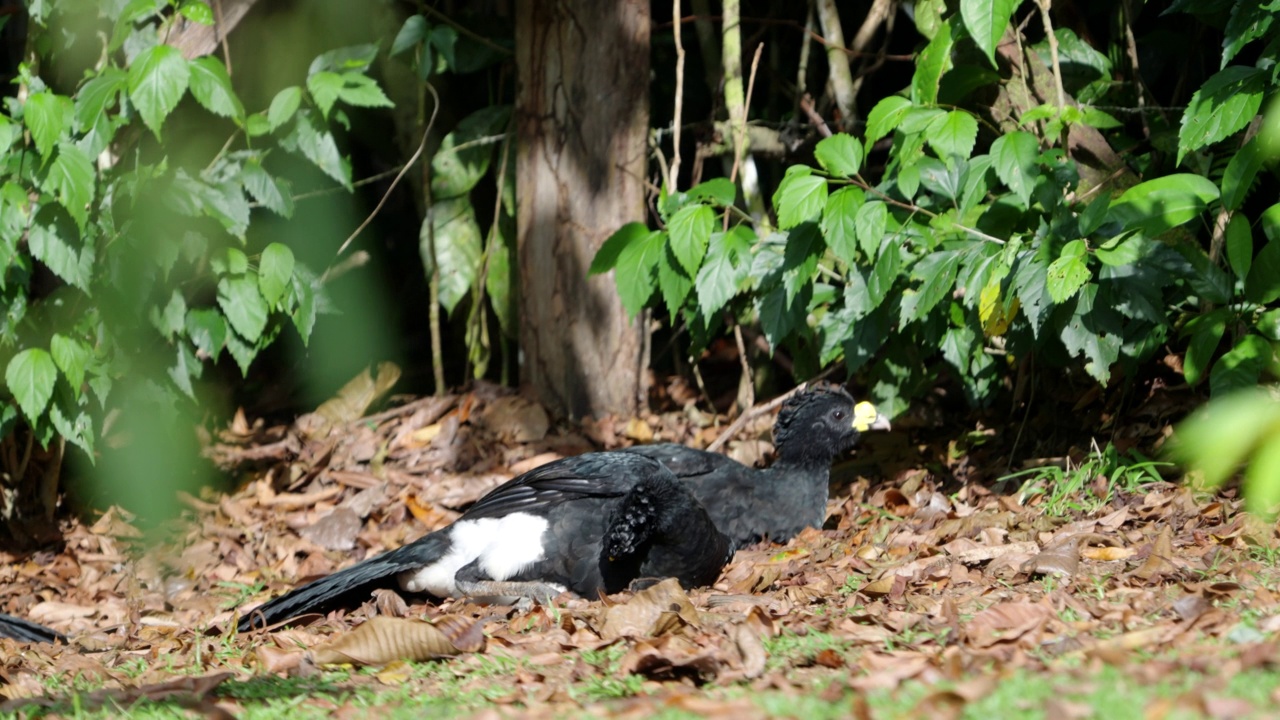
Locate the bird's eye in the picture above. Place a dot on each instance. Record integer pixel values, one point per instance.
(839, 414)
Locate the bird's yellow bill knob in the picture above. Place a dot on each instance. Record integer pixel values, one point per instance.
(865, 416)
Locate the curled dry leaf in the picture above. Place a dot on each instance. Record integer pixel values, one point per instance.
(751, 650)
(1005, 622)
(358, 394)
(335, 531)
(1062, 560)
(1158, 563)
(653, 611)
(382, 640)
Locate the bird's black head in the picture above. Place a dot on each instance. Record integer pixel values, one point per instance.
(816, 425)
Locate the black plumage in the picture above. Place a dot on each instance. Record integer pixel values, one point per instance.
(776, 503)
(16, 628)
(591, 524)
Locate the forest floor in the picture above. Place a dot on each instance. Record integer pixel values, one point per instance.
(1093, 584)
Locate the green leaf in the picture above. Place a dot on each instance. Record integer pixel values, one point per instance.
(1241, 367)
(673, 282)
(226, 203)
(48, 117)
(464, 154)
(778, 317)
(458, 244)
(283, 106)
(30, 376)
(885, 116)
(637, 269)
(362, 91)
(72, 357)
(1206, 333)
(800, 258)
(72, 421)
(158, 79)
(324, 88)
(932, 63)
(717, 191)
(839, 154)
(207, 329)
(1031, 280)
(722, 271)
(50, 241)
(98, 95)
(1015, 155)
(1124, 250)
(243, 304)
(211, 87)
(196, 11)
(275, 272)
(70, 178)
(1068, 273)
(1262, 284)
(1262, 477)
(411, 33)
(953, 135)
(304, 314)
(800, 198)
(690, 231)
(317, 145)
(1241, 170)
(1163, 203)
(986, 21)
(1080, 336)
(169, 321)
(270, 192)
(839, 222)
(1239, 245)
(352, 57)
(1218, 436)
(1248, 22)
(1221, 107)
(607, 256)
(871, 221)
(938, 273)
(885, 273)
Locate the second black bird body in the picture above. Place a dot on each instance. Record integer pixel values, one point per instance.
(589, 524)
(17, 628)
(776, 503)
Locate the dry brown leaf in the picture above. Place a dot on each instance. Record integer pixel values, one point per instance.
(1108, 554)
(357, 396)
(335, 531)
(751, 650)
(1062, 560)
(515, 418)
(1005, 622)
(381, 640)
(1159, 562)
(652, 611)
(638, 430)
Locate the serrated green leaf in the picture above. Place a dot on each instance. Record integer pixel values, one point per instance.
(207, 329)
(870, 222)
(324, 88)
(72, 358)
(1163, 203)
(937, 272)
(839, 154)
(637, 269)
(1068, 273)
(98, 95)
(270, 192)
(283, 106)
(48, 117)
(70, 179)
(211, 87)
(607, 256)
(169, 321)
(1248, 22)
(1100, 349)
(352, 57)
(458, 243)
(158, 79)
(275, 272)
(196, 11)
(953, 135)
(31, 375)
(1241, 170)
(243, 305)
(885, 272)
(1014, 158)
(316, 144)
(690, 231)
(932, 63)
(411, 33)
(53, 240)
(800, 198)
(885, 116)
(71, 419)
(673, 283)
(362, 91)
(717, 191)
(1239, 245)
(839, 222)
(800, 258)
(986, 21)
(719, 277)
(1222, 106)
(305, 306)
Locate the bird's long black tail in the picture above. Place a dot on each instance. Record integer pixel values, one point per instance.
(347, 587)
(18, 629)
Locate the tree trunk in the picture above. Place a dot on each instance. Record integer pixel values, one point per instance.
(583, 117)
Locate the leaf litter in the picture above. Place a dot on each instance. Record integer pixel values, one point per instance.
(910, 581)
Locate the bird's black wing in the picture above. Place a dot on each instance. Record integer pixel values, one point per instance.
(594, 475)
(16, 628)
(685, 462)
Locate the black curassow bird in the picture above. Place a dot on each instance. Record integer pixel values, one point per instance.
(592, 523)
(776, 503)
(16, 628)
